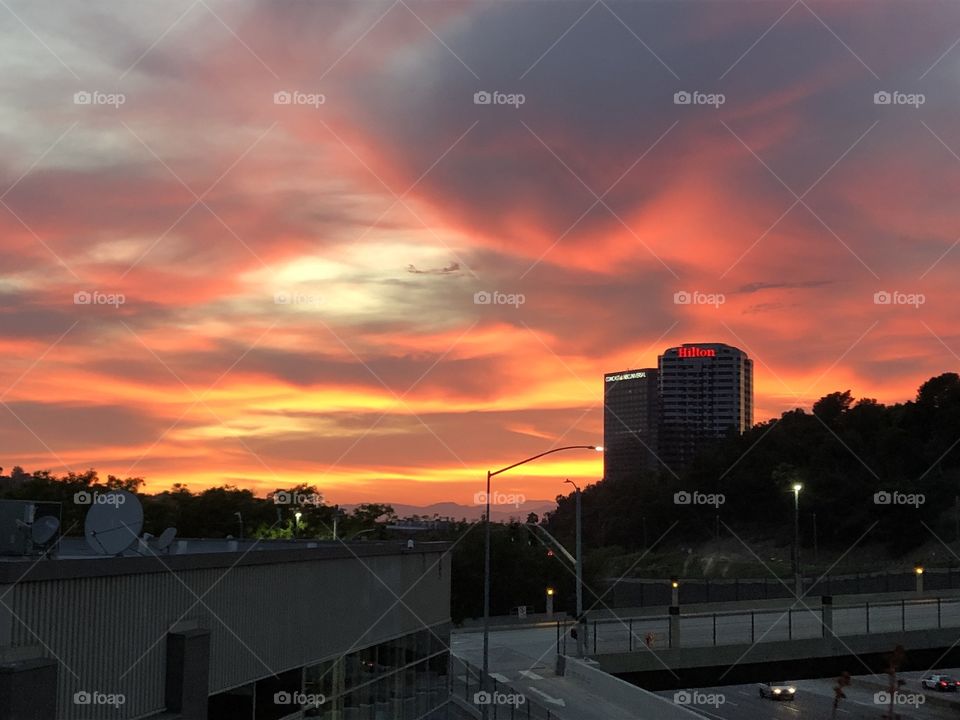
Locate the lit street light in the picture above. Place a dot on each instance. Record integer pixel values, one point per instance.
(919, 572)
(484, 678)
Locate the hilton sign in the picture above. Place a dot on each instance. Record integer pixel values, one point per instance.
(696, 352)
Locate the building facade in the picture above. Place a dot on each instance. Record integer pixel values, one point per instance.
(706, 392)
(630, 422)
(661, 417)
(228, 630)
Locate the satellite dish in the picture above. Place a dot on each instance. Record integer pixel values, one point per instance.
(44, 529)
(165, 539)
(113, 522)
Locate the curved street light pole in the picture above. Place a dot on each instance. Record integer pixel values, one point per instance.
(485, 709)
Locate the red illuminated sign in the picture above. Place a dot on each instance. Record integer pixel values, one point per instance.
(695, 352)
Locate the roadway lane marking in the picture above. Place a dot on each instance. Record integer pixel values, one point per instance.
(548, 698)
(500, 678)
(530, 675)
(705, 713)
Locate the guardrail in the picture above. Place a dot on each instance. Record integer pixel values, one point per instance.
(648, 592)
(734, 627)
(466, 686)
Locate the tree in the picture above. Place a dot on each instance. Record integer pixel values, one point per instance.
(831, 407)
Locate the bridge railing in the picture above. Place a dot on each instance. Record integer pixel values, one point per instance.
(635, 634)
(650, 592)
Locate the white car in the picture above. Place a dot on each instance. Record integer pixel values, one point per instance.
(943, 683)
(777, 691)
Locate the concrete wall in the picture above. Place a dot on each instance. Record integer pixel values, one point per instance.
(106, 620)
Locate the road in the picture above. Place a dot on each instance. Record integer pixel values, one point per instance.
(814, 701)
(523, 660)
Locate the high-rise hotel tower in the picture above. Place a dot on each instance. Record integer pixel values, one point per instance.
(656, 417)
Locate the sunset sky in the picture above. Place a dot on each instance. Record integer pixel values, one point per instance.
(298, 280)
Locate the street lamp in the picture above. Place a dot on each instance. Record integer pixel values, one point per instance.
(798, 579)
(581, 620)
(297, 515)
(919, 572)
(485, 709)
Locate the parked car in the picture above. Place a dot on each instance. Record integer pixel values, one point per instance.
(942, 683)
(777, 690)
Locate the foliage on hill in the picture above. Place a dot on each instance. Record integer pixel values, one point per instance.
(844, 452)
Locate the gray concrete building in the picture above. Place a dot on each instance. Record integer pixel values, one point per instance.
(227, 630)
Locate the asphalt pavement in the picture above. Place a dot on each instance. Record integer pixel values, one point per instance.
(814, 701)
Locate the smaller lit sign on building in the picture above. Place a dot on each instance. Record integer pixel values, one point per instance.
(625, 376)
(696, 352)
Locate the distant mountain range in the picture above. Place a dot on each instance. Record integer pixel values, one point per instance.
(472, 512)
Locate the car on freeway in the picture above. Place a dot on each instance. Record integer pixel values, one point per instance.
(942, 683)
(777, 690)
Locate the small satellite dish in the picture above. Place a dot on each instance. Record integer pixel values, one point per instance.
(44, 529)
(165, 539)
(113, 522)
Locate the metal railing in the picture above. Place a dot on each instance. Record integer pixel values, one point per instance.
(647, 592)
(734, 627)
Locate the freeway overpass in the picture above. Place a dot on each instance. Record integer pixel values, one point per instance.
(681, 650)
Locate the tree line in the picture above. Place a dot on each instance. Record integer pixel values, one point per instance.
(888, 471)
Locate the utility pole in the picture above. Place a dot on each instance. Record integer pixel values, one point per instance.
(581, 621)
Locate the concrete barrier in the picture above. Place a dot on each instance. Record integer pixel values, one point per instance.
(588, 675)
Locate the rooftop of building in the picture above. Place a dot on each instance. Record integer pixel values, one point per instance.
(74, 558)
